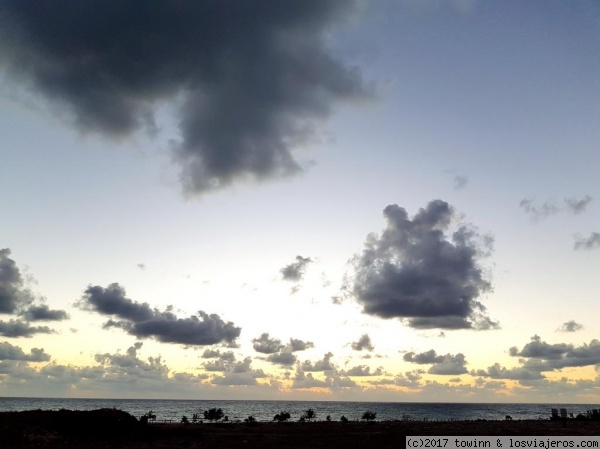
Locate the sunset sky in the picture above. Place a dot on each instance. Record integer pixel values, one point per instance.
(394, 200)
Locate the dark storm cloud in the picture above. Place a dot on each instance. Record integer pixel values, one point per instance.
(448, 364)
(364, 342)
(591, 242)
(266, 344)
(254, 79)
(18, 328)
(141, 320)
(43, 313)
(10, 352)
(570, 326)
(295, 270)
(419, 271)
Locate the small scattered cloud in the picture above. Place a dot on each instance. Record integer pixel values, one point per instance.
(266, 345)
(141, 266)
(577, 206)
(460, 181)
(239, 373)
(142, 321)
(548, 357)
(227, 356)
(447, 365)
(539, 212)
(295, 270)
(282, 358)
(587, 243)
(300, 345)
(497, 371)
(363, 343)
(320, 365)
(363, 371)
(421, 272)
(570, 326)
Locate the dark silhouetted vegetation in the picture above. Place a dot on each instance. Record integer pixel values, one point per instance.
(309, 415)
(369, 416)
(282, 417)
(343, 419)
(214, 414)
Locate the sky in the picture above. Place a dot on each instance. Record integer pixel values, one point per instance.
(394, 200)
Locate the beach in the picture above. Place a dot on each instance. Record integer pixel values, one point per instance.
(113, 428)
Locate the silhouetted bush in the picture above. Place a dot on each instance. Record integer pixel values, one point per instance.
(369, 416)
(343, 419)
(282, 417)
(213, 414)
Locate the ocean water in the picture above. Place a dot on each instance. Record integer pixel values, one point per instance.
(265, 410)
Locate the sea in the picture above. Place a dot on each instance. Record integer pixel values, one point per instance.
(236, 411)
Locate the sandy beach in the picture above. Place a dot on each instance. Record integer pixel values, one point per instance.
(113, 428)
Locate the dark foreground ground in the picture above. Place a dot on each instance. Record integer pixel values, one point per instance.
(116, 429)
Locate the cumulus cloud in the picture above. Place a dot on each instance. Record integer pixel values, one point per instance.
(362, 370)
(282, 358)
(307, 381)
(43, 313)
(591, 242)
(228, 356)
(300, 345)
(18, 328)
(17, 300)
(320, 365)
(266, 345)
(247, 96)
(295, 270)
(448, 365)
(10, 352)
(418, 271)
(497, 371)
(570, 326)
(364, 342)
(548, 357)
(240, 373)
(141, 320)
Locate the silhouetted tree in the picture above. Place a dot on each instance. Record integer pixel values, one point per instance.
(213, 414)
(145, 418)
(343, 419)
(369, 416)
(282, 417)
(250, 419)
(309, 415)
(184, 420)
